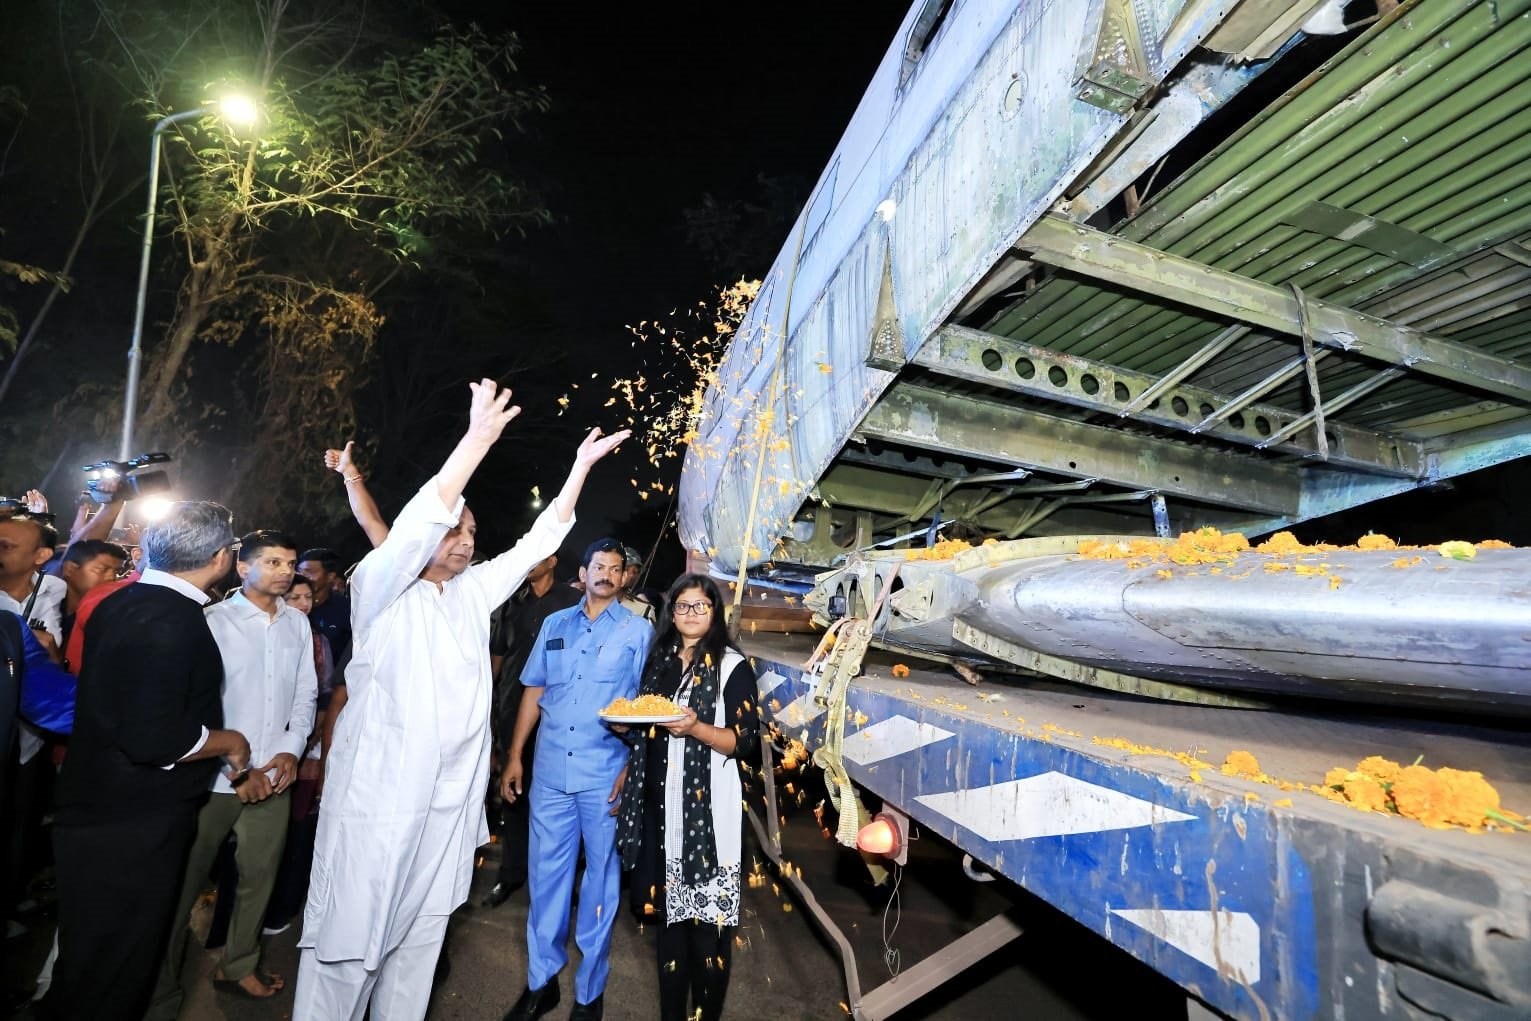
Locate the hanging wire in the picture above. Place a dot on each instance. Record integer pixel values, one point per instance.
(890, 953)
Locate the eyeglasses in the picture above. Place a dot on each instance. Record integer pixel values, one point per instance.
(701, 609)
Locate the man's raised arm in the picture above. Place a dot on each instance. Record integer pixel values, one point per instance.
(390, 568)
(363, 507)
(504, 574)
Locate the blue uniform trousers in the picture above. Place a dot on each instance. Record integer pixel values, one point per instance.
(559, 822)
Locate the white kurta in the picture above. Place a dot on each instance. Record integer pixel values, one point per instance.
(404, 793)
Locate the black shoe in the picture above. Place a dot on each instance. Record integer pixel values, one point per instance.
(534, 1003)
(587, 1011)
(500, 893)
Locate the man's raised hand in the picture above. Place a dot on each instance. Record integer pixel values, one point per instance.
(597, 446)
(490, 412)
(340, 460)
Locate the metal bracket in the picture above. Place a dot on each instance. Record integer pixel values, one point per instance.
(1161, 515)
(1310, 364)
(1117, 74)
(886, 350)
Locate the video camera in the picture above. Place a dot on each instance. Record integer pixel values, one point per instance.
(133, 485)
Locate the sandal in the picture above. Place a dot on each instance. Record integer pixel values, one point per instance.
(273, 983)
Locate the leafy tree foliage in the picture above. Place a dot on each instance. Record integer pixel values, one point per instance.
(374, 157)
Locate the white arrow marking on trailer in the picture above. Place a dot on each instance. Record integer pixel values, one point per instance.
(1046, 805)
(893, 736)
(799, 711)
(767, 683)
(1228, 942)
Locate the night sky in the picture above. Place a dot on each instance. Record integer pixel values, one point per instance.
(654, 107)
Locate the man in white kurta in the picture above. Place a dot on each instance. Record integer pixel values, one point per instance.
(404, 795)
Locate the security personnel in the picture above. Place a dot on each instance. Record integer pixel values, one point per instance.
(584, 657)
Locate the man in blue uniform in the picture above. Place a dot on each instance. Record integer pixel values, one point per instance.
(584, 657)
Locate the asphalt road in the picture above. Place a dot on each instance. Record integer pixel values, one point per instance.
(783, 968)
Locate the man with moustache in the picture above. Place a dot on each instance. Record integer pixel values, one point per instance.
(584, 657)
(404, 795)
(269, 694)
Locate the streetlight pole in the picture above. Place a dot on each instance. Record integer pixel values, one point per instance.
(135, 352)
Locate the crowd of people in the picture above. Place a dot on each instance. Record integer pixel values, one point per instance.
(185, 709)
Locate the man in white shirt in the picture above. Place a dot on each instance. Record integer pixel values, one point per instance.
(269, 694)
(404, 792)
(27, 543)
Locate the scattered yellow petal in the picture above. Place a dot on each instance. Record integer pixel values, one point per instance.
(1242, 763)
(1458, 550)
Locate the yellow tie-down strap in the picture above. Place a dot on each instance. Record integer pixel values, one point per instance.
(841, 651)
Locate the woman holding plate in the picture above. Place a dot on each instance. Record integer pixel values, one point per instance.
(682, 820)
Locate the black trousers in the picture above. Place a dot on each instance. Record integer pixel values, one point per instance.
(118, 883)
(694, 960)
(515, 837)
(515, 822)
(30, 791)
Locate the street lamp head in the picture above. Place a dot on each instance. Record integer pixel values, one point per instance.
(239, 111)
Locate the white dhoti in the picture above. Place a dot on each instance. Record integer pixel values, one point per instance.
(399, 988)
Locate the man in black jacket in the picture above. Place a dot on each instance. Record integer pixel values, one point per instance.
(147, 742)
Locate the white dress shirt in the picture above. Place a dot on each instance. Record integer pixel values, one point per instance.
(48, 608)
(175, 583)
(269, 685)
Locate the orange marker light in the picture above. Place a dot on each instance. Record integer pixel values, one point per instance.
(878, 837)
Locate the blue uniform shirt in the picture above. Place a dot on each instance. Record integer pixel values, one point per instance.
(581, 665)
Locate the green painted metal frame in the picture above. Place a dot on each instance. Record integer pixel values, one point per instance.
(1093, 253)
(1097, 386)
(934, 419)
